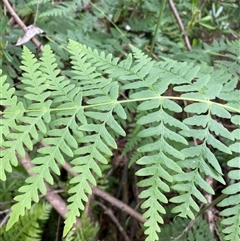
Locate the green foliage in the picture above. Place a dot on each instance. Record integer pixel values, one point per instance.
(178, 119)
(79, 117)
(181, 229)
(87, 232)
(30, 226)
(231, 203)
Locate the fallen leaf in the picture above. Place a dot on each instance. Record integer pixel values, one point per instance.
(30, 33)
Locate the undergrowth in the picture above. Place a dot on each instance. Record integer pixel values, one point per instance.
(173, 115)
(79, 118)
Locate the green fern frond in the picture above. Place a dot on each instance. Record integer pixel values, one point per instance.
(81, 117)
(158, 161)
(30, 119)
(37, 114)
(58, 11)
(103, 95)
(223, 45)
(180, 229)
(35, 2)
(30, 226)
(231, 204)
(200, 159)
(229, 52)
(13, 111)
(99, 60)
(87, 232)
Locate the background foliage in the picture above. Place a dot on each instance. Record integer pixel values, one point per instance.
(150, 121)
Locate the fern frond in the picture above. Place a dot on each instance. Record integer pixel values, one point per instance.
(158, 154)
(35, 2)
(100, 61)
(158, 159)
(229, 52)
(181, 229)
(37, 114)
(80, 118)
(88, 231)
(103, 95)
(13, 111)
(58, 11)
(27, 129)
(200, 159)
(231, 204)
(30, 226)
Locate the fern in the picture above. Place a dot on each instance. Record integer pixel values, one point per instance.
(181, 229)
(79, 119)
(87, 232)
(35, 2)
(231, 203)
(231, 95)
(30, 226)
(14, 112)
(58, 11)
(200, 158)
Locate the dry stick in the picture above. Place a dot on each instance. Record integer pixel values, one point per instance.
(110, 213)
(60, 206)
(107, 197)
(5, 211)
(5, 219)
(210, 217)
(21, 23)
(52, 197)
(180, 25)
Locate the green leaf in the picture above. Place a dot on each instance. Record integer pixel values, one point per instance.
(197, 108)
(220, 111)
(3, 24)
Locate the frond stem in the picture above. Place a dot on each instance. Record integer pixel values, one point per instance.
(230, 108)
(99, 10)
(157, 26)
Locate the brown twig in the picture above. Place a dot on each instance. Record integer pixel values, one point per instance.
(209, 215)
(110, 213)
(5, 211)
(134, 10)
(180, 25)
(107, 197)
(53, 198)
(60, 206)
(19, 21)
(5, 219)
(58, 227)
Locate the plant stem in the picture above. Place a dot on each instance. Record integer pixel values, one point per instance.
(180, 25)
(212, 204)
(200, 213)
(157, 27)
